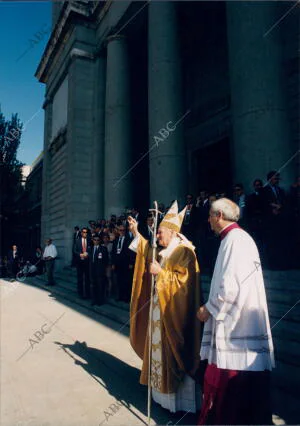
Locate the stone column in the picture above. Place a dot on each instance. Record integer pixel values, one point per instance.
(45, 223)
(118, 187)
(83, 146)
(99, 142)
(261, 139)
(168, 166)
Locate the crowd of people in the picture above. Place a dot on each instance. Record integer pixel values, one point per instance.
(269, 214)
(235, 341)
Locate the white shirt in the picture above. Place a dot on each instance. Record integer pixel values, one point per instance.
(120, 244)
(237, 336)
(50, 250)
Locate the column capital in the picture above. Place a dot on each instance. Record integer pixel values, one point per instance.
(116, 37)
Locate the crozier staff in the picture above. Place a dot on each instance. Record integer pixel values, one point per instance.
(175, 329)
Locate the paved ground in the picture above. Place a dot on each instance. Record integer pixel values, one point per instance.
(64, 365)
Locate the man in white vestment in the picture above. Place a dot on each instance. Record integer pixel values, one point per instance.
(237, 339)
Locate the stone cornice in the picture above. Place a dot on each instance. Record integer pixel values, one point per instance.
(57, 34)
(79, 53)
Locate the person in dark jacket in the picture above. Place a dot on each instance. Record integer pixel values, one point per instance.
(38, 260)
(122, 264)
(13, 259)
(98, 264)
(275, 223)
(76, 236)
(82, 248)
(255, 214)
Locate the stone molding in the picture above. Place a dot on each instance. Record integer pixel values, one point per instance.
(79, 53)
(59, 140)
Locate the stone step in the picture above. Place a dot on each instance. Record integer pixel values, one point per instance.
(287, 352)
(290, 276)
(286, 377)
(290, 313)
(116, 311)
(64, 282)
(287, 330)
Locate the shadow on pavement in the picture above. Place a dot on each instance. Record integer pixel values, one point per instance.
(122, 382)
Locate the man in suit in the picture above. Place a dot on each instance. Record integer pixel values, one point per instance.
(239, 198)
(82, 248)
(98, 264)
(274, 222)
(146, 229)
(254, 214)
(14, 258)
(190, 219)
(202, 208)
(122, 264)
(274, 196)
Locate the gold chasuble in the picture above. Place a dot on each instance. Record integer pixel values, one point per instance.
(176, 300)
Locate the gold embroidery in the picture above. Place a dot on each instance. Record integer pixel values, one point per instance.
(156, 376)
(156, 324)
(156, 381)
(156, 346)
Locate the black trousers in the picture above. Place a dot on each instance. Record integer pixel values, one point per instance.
(98, 287)
(124, 282)
(83, 278)
(50, 271)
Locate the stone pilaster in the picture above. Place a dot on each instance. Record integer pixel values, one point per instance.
(167, 161)
(261, 139)
(118, 187)
(45, 224)
(83, 163)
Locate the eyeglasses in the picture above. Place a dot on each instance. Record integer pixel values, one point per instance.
(84, 232)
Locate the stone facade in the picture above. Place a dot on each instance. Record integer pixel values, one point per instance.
(161, 99)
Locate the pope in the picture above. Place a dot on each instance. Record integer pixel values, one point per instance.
(176, 333)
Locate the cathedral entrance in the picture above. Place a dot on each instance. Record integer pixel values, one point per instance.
(212, 168)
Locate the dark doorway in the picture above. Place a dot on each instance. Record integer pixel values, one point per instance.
(212, 168)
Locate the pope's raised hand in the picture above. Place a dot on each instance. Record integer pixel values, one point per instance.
(133, 226)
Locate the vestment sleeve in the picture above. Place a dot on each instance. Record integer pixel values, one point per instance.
(178, 291)
(134, 243)
(140, 298)
(237, 266)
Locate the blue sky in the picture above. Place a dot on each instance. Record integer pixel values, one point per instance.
(20, 91)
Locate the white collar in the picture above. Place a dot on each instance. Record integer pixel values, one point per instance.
(172, 246)
(178, 240)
